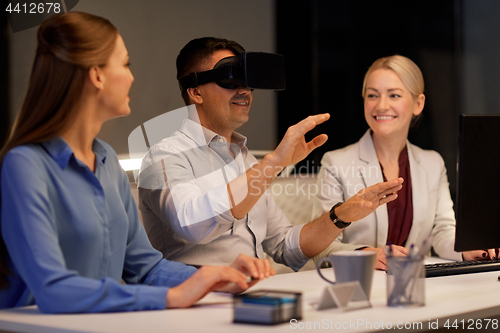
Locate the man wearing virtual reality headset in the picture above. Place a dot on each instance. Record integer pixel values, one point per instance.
(209, 203)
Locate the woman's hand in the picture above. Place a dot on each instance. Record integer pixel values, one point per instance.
(231, 279)
(397, 251)
(480, 254)
(254, 267)
(205, 280)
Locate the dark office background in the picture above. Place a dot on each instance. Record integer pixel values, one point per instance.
(4, 77)
(328, 46)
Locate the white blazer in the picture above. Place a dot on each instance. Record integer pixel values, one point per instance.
(346, 171)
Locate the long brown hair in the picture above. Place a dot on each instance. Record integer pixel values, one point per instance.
(68, 46)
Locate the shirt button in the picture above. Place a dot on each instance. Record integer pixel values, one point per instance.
(221, 140)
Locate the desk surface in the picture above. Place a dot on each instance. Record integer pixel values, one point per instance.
(469, 296)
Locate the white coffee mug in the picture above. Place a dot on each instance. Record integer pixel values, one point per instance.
(352, 266)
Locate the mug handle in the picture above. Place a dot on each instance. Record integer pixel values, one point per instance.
(318, 265)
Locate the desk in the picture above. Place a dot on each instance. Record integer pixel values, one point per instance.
(469, 296)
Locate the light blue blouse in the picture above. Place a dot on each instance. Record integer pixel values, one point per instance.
(73, 235)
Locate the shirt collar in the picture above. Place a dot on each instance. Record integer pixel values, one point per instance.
(99, 151)
(367, 152)
(61, 152)
(239, 139)
(202, 136)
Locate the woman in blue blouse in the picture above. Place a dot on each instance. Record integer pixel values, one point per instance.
(70, 230)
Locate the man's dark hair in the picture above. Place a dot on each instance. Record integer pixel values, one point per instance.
(198, 51)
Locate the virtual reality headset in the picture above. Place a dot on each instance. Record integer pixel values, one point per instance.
(254, 70)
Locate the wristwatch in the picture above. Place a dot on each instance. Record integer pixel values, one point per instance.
(338, 222)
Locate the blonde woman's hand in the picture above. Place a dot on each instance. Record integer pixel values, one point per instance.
(480, 254)
(397, 251)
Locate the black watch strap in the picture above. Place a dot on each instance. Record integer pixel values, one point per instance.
(338, 222)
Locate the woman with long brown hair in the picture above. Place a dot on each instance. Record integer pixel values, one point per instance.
(70, 230)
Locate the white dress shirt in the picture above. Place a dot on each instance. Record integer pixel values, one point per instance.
(185, 204)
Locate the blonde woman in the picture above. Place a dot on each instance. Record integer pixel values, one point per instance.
(393, 93)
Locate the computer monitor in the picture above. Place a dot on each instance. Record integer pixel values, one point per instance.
(477, 204)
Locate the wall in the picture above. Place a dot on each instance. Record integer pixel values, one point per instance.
(339, 40)
(481, 57)
(154, 32)
(4, 76)
(329, 45)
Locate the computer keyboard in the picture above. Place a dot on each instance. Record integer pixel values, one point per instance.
(461, 267)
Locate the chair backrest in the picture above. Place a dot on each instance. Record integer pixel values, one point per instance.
(294, 195)
(154, 130)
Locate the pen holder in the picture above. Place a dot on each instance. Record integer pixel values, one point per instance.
(405, 281)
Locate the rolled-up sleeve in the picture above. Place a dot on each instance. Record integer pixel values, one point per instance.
(282, 241)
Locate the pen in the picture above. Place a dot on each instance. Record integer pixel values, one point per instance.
(426, 247)
(411, 253)
(388, 250)
(410, 272)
